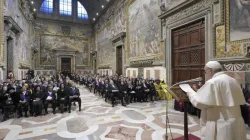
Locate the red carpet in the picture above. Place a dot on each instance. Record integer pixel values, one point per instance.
(190, 137)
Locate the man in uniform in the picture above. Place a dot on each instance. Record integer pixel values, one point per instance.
(219, 100)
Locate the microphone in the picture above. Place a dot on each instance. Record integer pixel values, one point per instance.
(191, 81)
(188, 81)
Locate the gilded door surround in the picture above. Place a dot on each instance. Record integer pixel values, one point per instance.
(174, 19)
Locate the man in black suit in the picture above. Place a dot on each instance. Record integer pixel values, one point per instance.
(74, 97)
(50, 98)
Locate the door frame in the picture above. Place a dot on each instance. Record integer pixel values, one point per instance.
(68, 57)
(207, 15)
(71, 62)
(116, 49)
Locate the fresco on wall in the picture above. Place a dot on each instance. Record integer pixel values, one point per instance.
(119, 21)
(239, 18)
(144, 28)
(104, 46)
(49, 43)
(63, 30)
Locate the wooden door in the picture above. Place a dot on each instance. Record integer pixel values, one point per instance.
(188, 52)
(119, 60)
(66, 64)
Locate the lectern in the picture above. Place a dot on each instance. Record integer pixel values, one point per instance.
(180, 96)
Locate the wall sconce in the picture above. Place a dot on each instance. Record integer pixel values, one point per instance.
(248, 51)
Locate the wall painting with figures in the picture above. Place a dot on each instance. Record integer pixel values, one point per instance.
(49, 43)
(104, 46)
(53, 35)
(233, 38)
(144, 29)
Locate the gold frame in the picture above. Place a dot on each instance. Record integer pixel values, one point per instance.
(227, 26)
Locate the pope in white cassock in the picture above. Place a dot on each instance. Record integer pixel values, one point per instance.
(219, 100)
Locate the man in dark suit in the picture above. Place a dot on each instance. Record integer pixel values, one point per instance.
(74, 97)
(24, 101)
(50, 98)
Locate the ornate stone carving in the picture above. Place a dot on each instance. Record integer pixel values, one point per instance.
(66, 30)
(162, 7)
(27, 10)
(142, 62)
(248, 67)
(189, 11)
(234, 67)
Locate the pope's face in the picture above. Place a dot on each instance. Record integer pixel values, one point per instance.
(208, 73)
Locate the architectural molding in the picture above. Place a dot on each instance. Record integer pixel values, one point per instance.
(140, 63)
(199, 10)
(120, 37)
(177, 8)
(12, 25)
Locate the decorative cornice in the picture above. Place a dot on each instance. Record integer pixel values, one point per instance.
(24, 66)
(176, 9)
(13, 26)
(104, 67)
(147, 62)
(197, 8)
(118, 37)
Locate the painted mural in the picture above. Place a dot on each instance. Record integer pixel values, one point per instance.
(49, 43)
(239, 12)
(63, 30)
(104, 46)
(144, 28)
(119, 21)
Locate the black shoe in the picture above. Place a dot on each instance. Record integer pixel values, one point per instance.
(4, 119)
(20, 116)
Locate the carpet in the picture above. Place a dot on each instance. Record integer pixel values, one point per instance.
(190, 137)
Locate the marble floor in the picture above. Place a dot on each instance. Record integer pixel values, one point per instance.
(99, 121)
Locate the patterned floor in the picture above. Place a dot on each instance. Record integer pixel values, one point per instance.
(99, 121)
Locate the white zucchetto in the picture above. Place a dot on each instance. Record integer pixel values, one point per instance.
(214, 65)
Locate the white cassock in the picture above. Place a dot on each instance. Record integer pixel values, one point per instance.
(219, 100)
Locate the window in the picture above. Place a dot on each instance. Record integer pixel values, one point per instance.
(81, 11)
(47, 7)
(65, 7)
